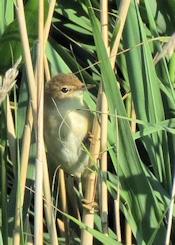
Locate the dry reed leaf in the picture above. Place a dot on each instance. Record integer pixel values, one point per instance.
(167, 50)
(8, 81)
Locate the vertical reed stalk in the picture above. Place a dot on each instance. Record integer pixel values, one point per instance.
(117, 216)
(104, 125)
(38, 221)
(50, 220)
(27, 133)
(47, 193)
(63, 197)
(131, 113)
(128, 234)
(46, 69)
(23, 173)
(49, 20)
(88, 213)
(27, 55)
(123, 11)
(170, 213)
(11, 133)
(117, 201)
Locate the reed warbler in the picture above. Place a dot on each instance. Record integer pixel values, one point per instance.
(67, 122)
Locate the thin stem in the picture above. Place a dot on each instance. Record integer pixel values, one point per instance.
(46, 69)
(104, 125)
(123, 11)
(117, 216)
(11, 133)
(38, 221)
(128, 234)
(63, 197)
(49, 20)
(117, 201)
(170, 214)
(27, 55)
(46, 185)
(88, 213)
(50, 220)
(23, 173)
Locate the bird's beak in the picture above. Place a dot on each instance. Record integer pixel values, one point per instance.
(86, 86)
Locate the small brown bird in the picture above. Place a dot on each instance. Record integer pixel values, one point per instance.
(66, 123)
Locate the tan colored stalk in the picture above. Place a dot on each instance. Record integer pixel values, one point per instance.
(46, 34)
(61, 227)
(49, 20)
(23, 173)
(117, 215)
(88, 213)
(133, 122)
(11, 134)
(170, 214)
(103, 197)
(104, 21)
(103, 159)
(27, 55)
(63, 197)
(50, 220)
(32, 90)
(123, 11)
(128, 232)
(46, 185)
(46, 69)
(117, 200)
(38, 207)
(25, 152)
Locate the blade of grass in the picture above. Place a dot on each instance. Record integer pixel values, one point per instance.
(2, 16)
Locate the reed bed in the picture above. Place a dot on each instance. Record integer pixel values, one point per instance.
(126, 50)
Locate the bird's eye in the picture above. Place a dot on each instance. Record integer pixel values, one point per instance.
(64, 90)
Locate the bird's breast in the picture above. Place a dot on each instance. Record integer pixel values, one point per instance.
(79, 122)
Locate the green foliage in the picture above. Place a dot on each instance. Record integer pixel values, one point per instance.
(142, 161)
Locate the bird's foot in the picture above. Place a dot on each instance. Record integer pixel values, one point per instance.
(90, 206)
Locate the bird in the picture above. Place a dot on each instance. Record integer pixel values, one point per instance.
(67, 123)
